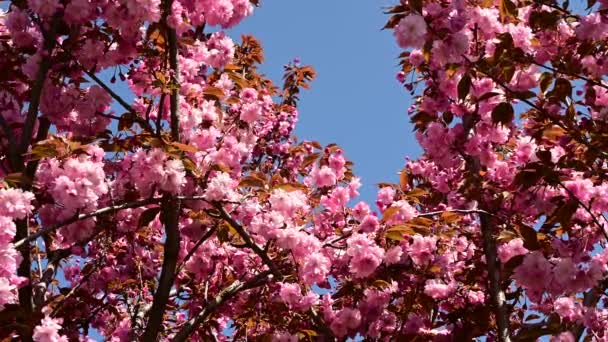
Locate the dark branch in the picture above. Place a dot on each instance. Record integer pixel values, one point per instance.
(171, 208)
(226, 294)
(80, 217)
(142, 122)
(250, 243)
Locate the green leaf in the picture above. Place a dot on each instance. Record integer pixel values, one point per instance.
(562, 89)
(147, 216)
(507, 9)
(464, 86)
(416, 5)
(503, 114)
(546, 78)
(529, 236)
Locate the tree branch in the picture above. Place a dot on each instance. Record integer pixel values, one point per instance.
(250, 243)
(226, 294)
(22, 231)
(142, 122)
(36, 92)
(490, 251)
(13, 156)
(196, 246)
(171, 208)
(498, 295)
(459, 211)
(80, 217)
(170, 214)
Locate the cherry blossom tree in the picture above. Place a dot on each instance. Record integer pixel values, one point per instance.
(191, 210)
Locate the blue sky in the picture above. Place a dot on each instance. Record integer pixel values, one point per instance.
(355, 100)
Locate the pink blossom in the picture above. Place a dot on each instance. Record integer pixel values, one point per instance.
(566, 308)
(324, 177)
(386, 196)
(291, 294)
(511, 249)
(46, 8)
(174, 176)
(7, 292)
(534, 267)
(347, 319)
(250, 112)
(48, 331)
(421, 249)
(437, 289)
(315, 268)
(220, 188)
(284, 337)
(393, 255)
(288, 203)
(15, 203)
(366, 255)
(563, 337)
(476, 297)
(411, 31)
(369, 224)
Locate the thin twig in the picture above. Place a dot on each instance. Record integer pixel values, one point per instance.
(196, 246)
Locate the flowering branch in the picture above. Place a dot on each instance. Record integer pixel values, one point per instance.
(144, 123)
(171, 208)
(224, 295)
(248, 241)
(80, 217)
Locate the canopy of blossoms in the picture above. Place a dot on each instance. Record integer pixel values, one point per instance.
(191, 211)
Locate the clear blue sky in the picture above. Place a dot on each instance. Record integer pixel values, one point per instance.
(355, 100)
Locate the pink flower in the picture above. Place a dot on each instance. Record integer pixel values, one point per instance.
(175, 176)
(511, 249)
(15, 203)
(411, 31)
(406, 212)
(324, 177)
(292, 295)
(7, 230)
(217, 51)
(249, 95)
(476, 297)
(366, 256)
(7, 292)
(250, 112)
(386, 196)
(534, 268)
(416, 57)
(369, 224)
(284, 337)
(315, 268)
(346, 320)
(46, 8)
(566, 308)
(337, 163)
(48, 331)
(437, 289)
(361, 210)
(582, 189)
(393, 255)
(220, 188)
(422, 248)
(566, 336)
(288, 202)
